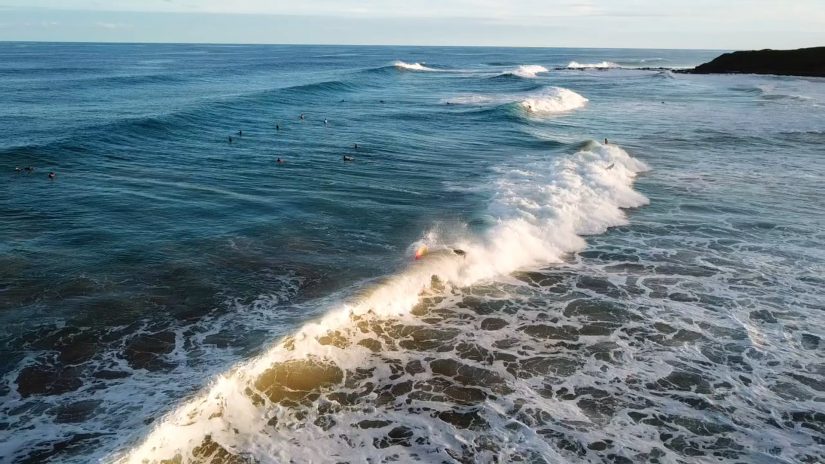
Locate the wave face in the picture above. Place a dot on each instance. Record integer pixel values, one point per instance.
(599, 65)
(372, 373)
(412, 66)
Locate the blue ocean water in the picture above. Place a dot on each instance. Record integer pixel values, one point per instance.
(619, 263)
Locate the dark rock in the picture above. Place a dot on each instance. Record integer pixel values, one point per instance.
(763, 315)
(810, 341)
(493, 323)
(372, 424)
(44, 379)
(462, 420)
(371, 344)
(210, 451)
(110, 375)
(75, 412)
(144, 350)
(298, 380)
(800, 62)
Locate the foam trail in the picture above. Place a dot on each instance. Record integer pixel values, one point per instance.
(600, 65)
(542, 210)
(411, 66)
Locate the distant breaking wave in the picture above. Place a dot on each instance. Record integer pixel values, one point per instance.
(526, 71)
(601, 65)
(412, 67)
(553, 100)
(549, 100)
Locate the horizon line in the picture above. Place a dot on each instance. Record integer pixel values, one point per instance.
(372, 45)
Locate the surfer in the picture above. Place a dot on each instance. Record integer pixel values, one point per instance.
(348, 158)
(29, 169)
(605, 141)
(279, 161)
(52, 175)
(240, 133)
(610, 167)
(230, 139)
(302, 117)
(277, 127)
(325, 121)
(355, 146)
(460, 252)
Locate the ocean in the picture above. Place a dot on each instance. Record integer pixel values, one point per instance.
(615, 262)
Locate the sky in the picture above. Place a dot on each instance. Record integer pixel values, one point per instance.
(700, 24)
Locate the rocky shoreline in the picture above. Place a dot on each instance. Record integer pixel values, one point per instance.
(809, 62)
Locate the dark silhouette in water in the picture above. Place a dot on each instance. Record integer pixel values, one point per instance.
(279, 161)
(606, 142)
(460, 252)
(277, 127)
(302, 116)
(28, 169)
(230, 139)
(355, 146)
(52, 175)
(348, 158)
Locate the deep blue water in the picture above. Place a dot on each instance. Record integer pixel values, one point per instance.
(161, 256)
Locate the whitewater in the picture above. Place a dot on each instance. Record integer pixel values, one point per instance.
(614, 264)
(282, 400)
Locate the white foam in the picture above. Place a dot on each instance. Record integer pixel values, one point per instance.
(600, 65)
(541, 210)
(528, 71)
(549, 100)
(553, 100)
(411, 66)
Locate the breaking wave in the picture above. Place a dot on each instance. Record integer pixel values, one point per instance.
(411, 66)
(547, 101)
(553, 100)
(528, 71)
(368, 375)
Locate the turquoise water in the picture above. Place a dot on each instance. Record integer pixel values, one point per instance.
(170, 293)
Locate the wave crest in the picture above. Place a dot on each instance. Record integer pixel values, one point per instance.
(411, 66)
(527, 71)
(600, 65)
(553, 100)
(549, 100)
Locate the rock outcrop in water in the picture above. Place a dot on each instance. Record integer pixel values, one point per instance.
(800, 62)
